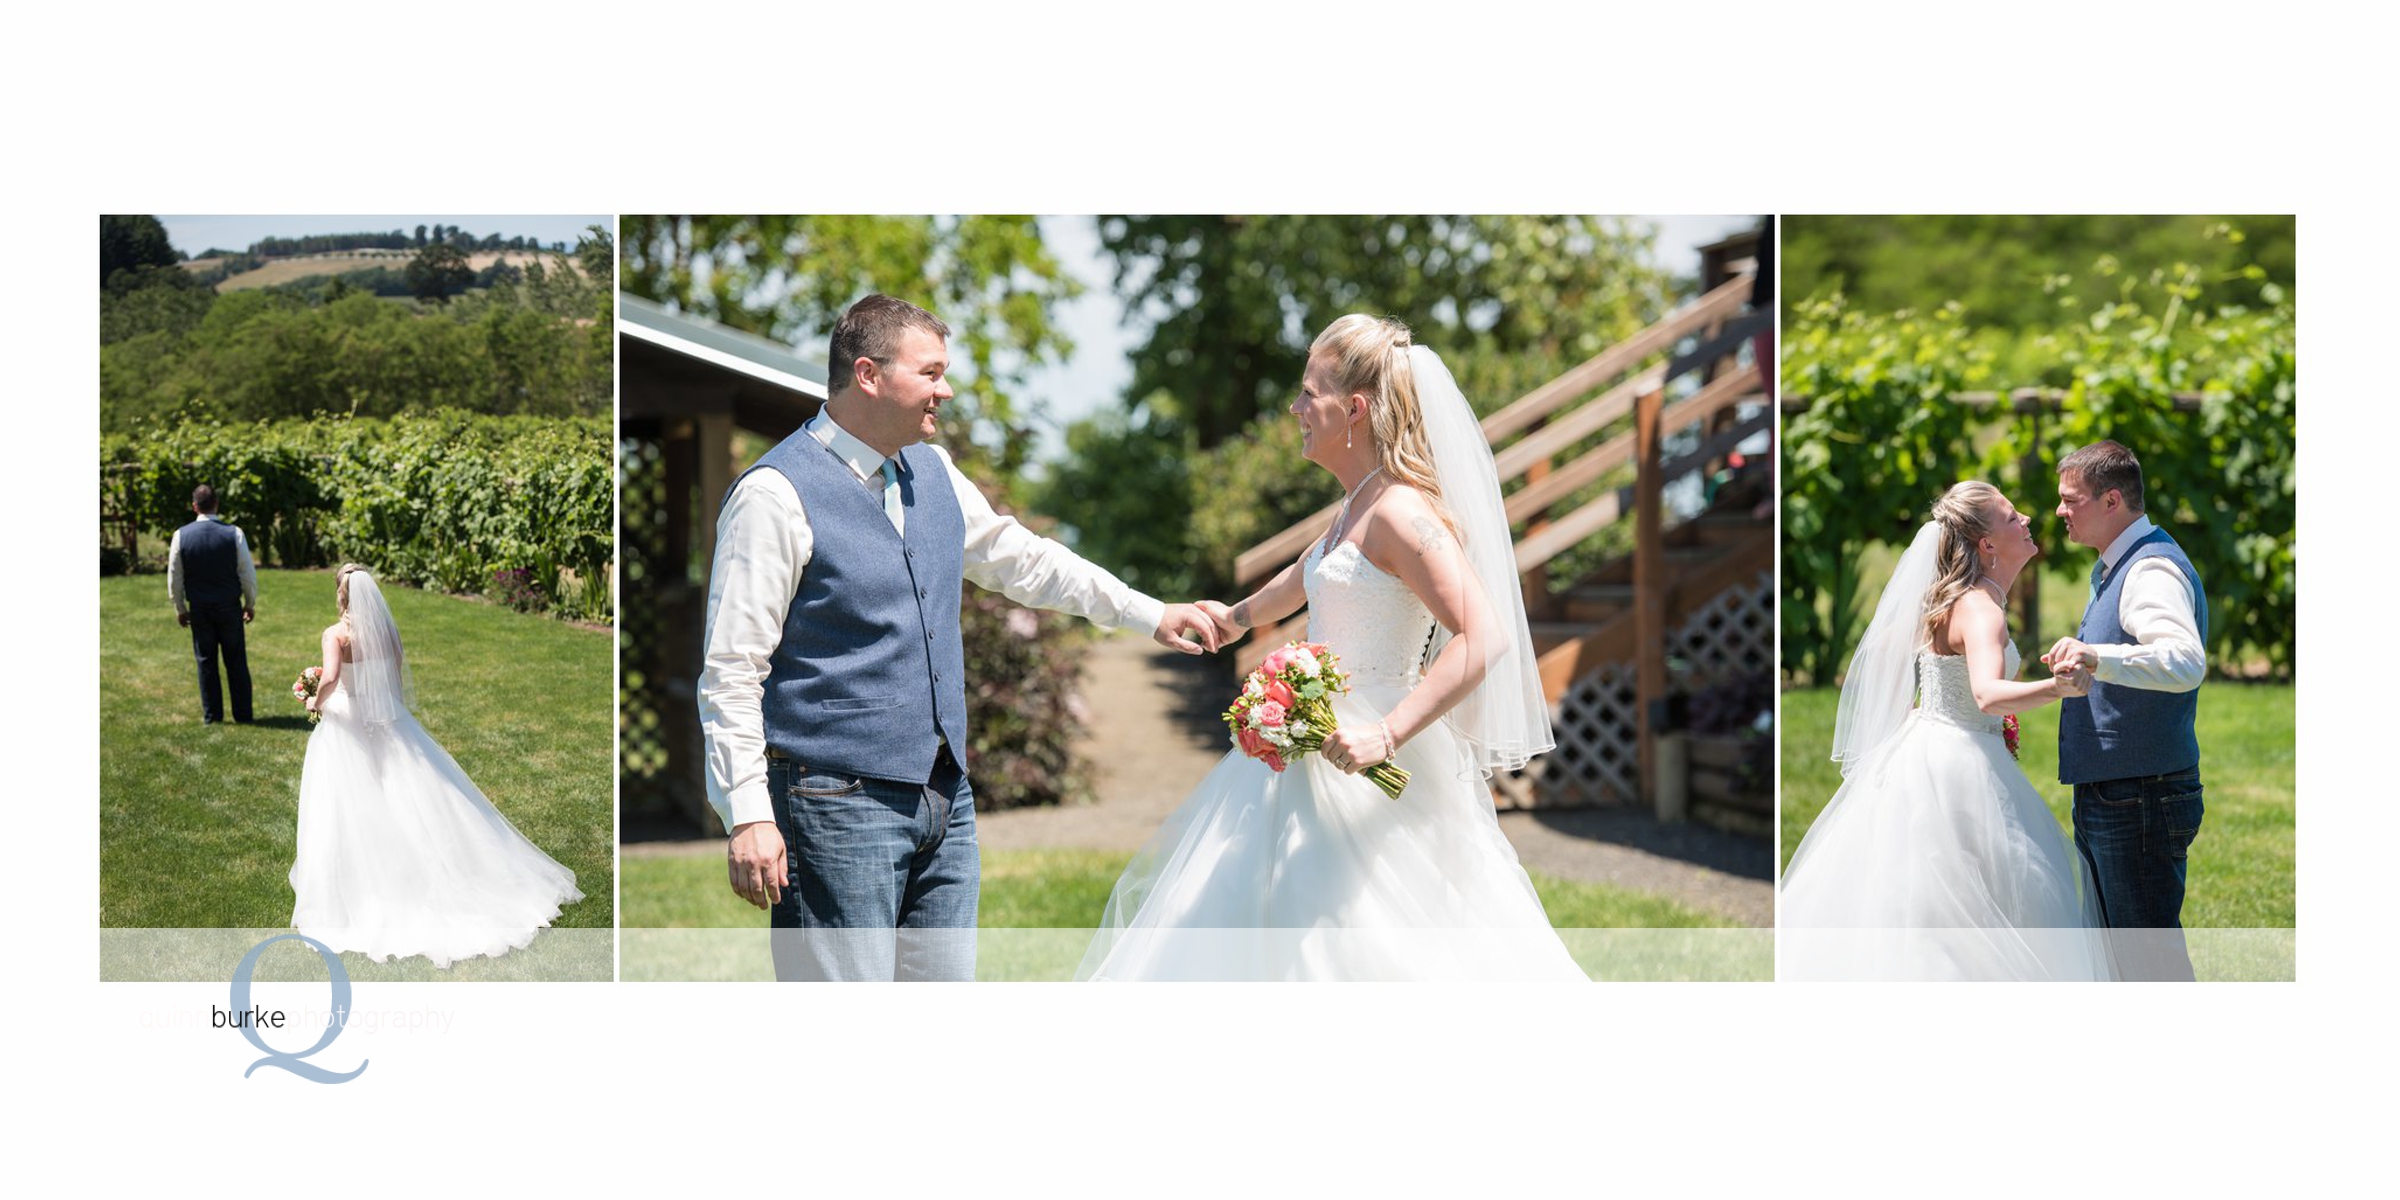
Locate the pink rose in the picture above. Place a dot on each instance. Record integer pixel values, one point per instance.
(1274, 760)
(1276, 660)
(1278, 693)
(1270, 714)
(1252, 744)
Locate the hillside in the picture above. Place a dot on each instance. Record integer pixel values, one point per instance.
(308, 266)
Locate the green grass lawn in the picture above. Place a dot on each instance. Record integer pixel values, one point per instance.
(196, 823)
(2241, 864)
(1039, 907)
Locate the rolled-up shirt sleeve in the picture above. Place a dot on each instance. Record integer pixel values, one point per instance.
(175, 572)
(248, 569)
(1005, 557)
(763, 543)
(2157, 610)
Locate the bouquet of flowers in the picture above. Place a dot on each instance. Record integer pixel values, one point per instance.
(2008, 733)
(304, 689)
(1286, 709)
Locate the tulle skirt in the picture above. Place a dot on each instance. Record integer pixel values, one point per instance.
(1937, 860)
(1312, 874)
(400, 853)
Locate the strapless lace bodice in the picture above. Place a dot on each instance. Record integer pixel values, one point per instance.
(1945, 694)
(1378, 627)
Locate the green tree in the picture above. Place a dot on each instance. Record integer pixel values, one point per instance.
(2029, 271)
(789, 277)
(1508, 301)
(131, 243)
(439, 272)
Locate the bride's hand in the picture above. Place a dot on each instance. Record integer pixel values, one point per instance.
(2073, 683)
(1222, 616)
(1353, 750)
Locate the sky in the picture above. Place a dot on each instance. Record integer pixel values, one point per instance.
(195, 234)
(1095, 378)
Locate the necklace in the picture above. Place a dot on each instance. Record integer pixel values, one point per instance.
(1341, 520)
(1999, 593)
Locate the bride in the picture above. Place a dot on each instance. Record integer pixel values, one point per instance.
(399, 853)
(1313, 873)
(1936, 858)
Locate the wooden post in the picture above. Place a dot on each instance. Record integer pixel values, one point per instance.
(2029, 472)
(1649, 587)
(1535, 584)
(715, 446)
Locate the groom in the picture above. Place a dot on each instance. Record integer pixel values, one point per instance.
(2129, 747)
(214, 587)
(833, 692)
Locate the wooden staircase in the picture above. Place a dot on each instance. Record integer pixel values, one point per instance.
(1666, 403)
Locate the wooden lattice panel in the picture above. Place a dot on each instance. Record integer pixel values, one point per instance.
(1733, 633)
(1597, 761)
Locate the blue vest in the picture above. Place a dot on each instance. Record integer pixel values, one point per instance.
(212, 566)
(870, 675)
(2123, 732)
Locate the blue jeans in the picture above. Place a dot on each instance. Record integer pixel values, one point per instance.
(2134, 834)
(217, 630)
(884, 875)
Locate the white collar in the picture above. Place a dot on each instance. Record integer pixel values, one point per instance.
(861, 457)
(2135, 532)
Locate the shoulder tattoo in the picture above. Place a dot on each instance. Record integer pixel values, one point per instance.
(1429, 533)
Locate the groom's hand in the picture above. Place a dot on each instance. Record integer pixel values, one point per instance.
(2070, 656)
(184, 619)
(1183, 620)
(755, 863)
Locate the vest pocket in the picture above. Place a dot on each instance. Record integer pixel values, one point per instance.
(861, 703)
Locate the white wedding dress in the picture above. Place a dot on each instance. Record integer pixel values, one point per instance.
(1314, 874)
(1937, 859)
(400, 854)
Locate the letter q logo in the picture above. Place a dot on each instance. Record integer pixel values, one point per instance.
(289, 1060)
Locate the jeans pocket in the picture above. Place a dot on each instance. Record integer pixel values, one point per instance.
(2179, 815)
(2118, 793)
(818, 784)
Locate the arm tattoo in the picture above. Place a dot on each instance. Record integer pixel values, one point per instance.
(1429, 534)
(1241, 614)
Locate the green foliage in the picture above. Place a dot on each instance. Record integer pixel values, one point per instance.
(438, 272)
(130, 243)
(989, 278)
(446, 500)
(1025, 718)
(170, 350)
(1239, 298)
(2024, 271)
(1206, 448)
(1881, 440)
(1864, 462)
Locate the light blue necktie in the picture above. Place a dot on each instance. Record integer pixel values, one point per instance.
(891, 497)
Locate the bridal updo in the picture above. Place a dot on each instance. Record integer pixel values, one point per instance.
(1369, 355)
(1965, 515)
(341, 586)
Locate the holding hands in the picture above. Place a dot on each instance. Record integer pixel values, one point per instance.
(2071, 664)
(1189, 628)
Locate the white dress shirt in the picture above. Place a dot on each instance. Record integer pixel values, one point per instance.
(763, 543)
(241, 556)
(2155, 606)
